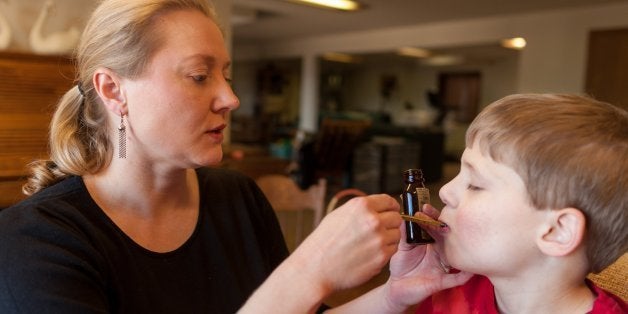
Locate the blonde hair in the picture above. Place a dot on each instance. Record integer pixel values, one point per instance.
(570, 151)
(120, 36)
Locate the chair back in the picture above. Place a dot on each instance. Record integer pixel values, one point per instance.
(614, 278)
(340, 195)
(284, 194)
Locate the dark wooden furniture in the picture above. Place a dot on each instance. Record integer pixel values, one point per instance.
(606, 66)
(30, 86)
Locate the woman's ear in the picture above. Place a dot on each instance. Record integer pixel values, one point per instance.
(107, 85)
(563, 232)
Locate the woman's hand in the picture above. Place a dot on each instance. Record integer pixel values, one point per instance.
(353, 242)
(350, 246)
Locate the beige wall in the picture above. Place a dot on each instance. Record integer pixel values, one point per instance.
(21, 15)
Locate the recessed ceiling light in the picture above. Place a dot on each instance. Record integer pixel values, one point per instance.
(514, 43)
(345, 5)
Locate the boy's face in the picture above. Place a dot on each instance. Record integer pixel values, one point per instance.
(493, 226)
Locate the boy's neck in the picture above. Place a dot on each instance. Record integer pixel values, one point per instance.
(543, 296)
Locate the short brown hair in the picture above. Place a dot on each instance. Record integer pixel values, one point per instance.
(570, 151)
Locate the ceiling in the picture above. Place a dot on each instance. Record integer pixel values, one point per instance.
(443, 57)
(275, 20)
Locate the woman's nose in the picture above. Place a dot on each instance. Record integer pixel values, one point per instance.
(227, 100)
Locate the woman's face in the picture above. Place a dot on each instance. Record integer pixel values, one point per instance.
(493, 226)
(177, 108)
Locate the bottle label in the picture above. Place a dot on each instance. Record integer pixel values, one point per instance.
(423, 195)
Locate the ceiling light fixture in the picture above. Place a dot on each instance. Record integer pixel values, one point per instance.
(443, 60)
(414, 52)
(340, 57)
(514, 43)
(344, 5)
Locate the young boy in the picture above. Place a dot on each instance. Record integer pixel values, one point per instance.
(541, 200)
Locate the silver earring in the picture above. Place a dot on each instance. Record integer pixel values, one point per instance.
(121, 138)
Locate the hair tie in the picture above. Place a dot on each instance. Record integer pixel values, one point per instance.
(80, 89)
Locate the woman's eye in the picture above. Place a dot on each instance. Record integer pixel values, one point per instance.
(199, 78)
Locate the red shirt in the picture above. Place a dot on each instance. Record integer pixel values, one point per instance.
(477, 296)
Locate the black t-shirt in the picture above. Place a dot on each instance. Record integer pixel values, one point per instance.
(59, 253)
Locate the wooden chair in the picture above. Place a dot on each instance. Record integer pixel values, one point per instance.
(285, 195)
(340, 195)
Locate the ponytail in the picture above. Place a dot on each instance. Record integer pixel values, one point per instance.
(79, 143)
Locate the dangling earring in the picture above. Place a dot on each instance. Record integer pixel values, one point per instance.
(121, 138)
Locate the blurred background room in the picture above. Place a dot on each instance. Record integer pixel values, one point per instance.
(346, 99)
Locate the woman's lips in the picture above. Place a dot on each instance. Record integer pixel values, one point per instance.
(216, 133)
(218, 129)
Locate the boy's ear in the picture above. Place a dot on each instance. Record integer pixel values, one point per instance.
(563, 232)
(107, 85)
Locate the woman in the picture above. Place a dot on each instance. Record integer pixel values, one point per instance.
(126, 216)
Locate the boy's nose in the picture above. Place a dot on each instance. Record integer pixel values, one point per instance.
(446, 194)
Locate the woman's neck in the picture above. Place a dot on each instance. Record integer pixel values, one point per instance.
(145, 186)
(158, 210)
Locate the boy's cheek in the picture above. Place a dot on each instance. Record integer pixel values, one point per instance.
(470, 227)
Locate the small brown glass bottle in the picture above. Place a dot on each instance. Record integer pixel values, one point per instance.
(413, 197)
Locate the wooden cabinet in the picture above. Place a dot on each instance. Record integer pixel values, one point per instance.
(30, 86)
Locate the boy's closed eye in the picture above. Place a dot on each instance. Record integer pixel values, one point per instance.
(472, 187)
